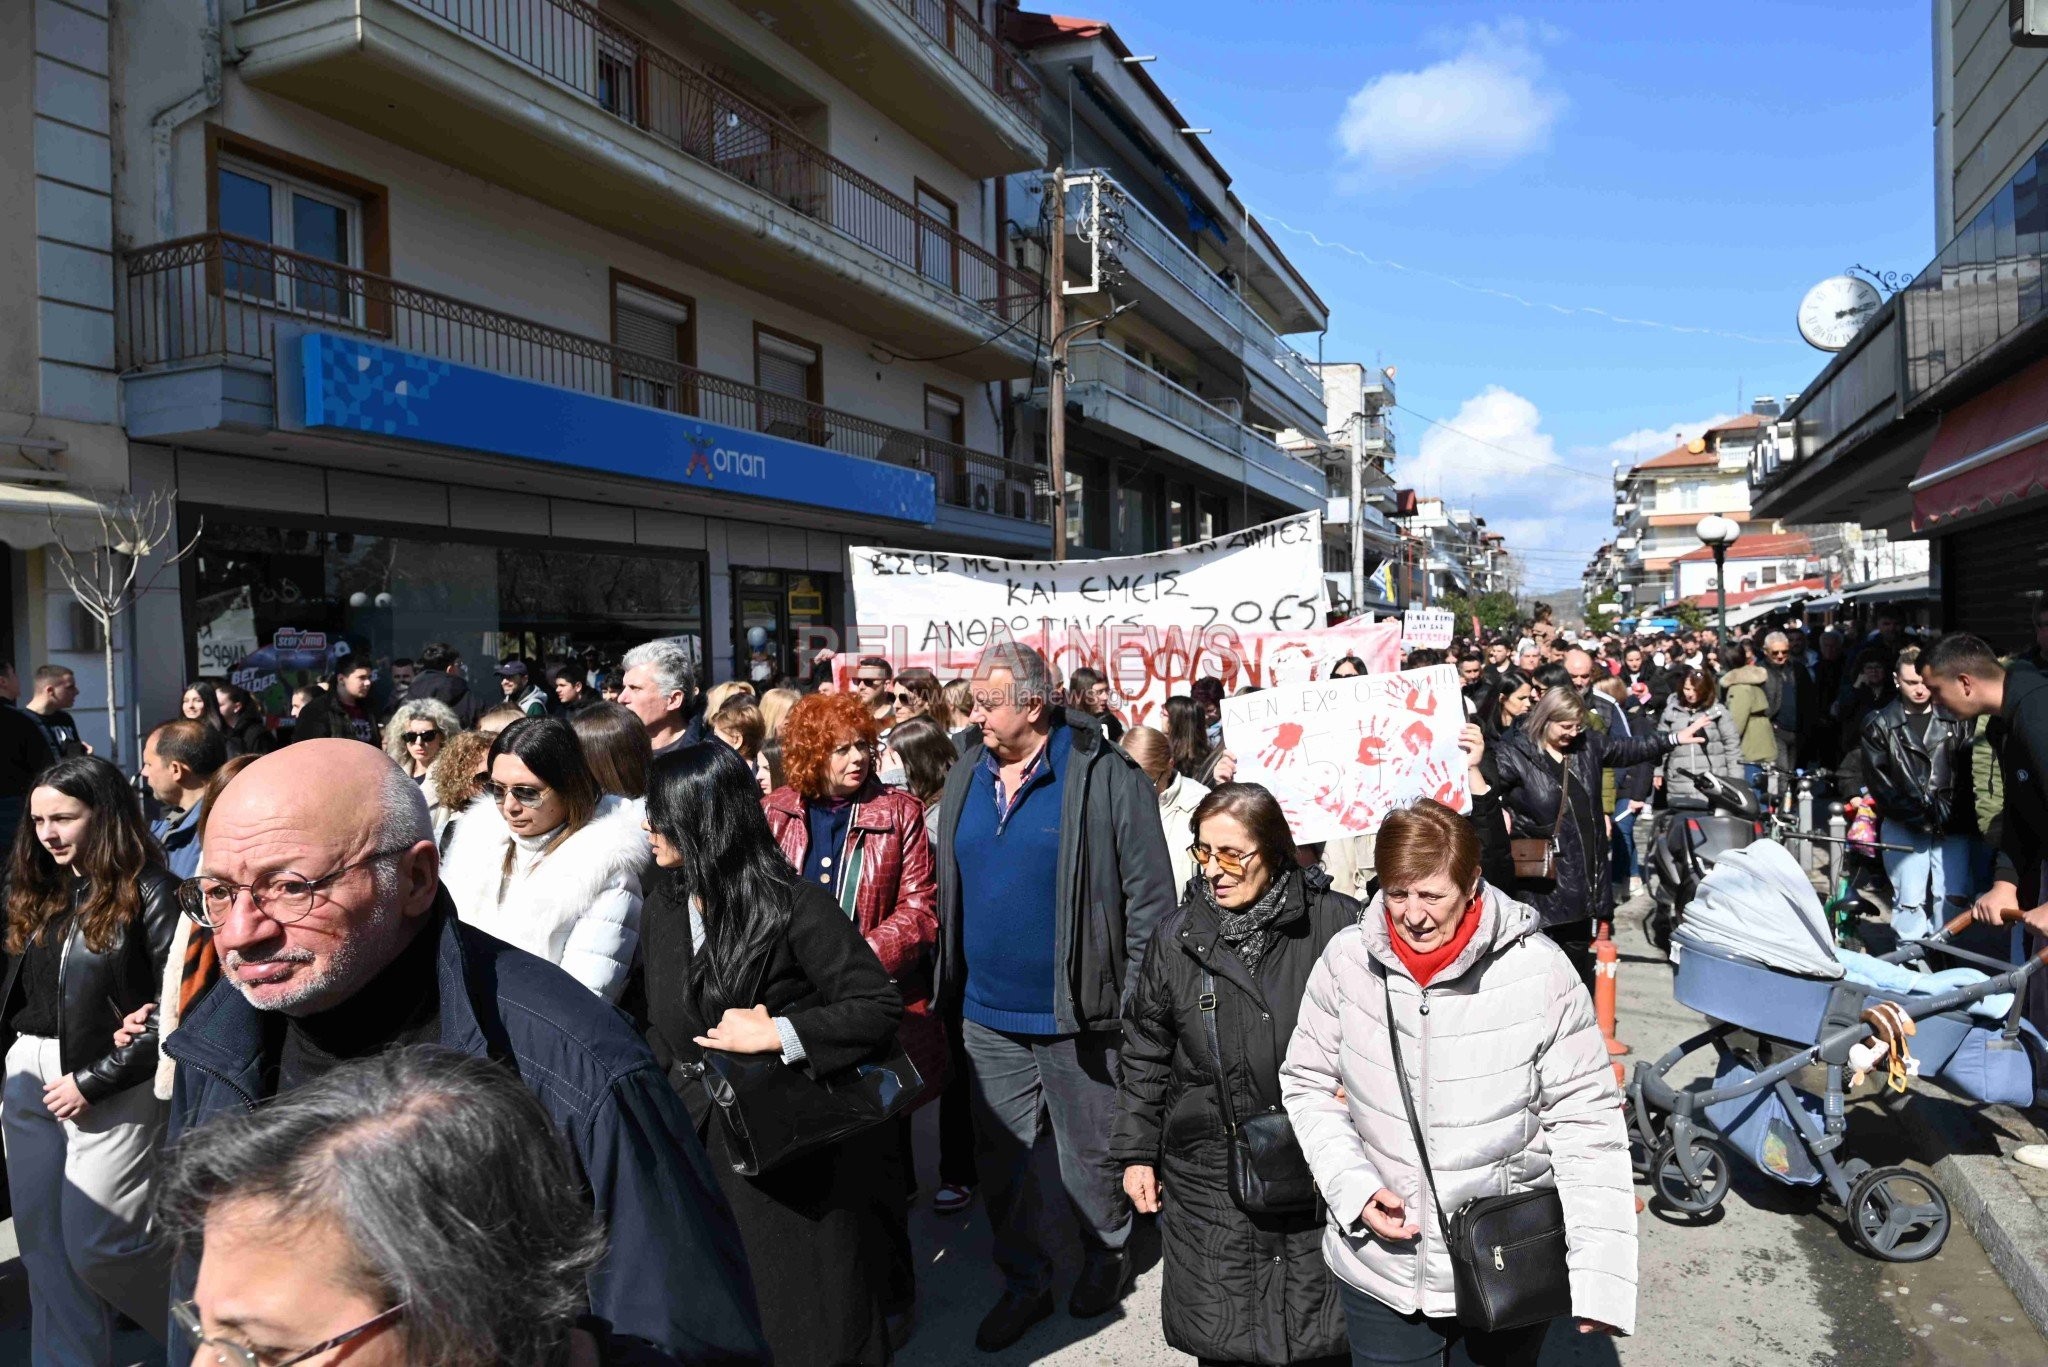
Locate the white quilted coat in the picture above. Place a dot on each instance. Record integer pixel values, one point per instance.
(577, 904)
(1512, 1084)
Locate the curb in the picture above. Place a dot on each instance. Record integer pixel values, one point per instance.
(1975, 1169)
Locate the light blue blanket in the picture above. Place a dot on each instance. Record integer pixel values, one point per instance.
(1873, 972)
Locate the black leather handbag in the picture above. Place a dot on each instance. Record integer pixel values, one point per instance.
(773, 1112)
(1507, 1252)
(1269, 1175)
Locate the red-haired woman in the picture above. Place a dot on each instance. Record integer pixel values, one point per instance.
(865, 845)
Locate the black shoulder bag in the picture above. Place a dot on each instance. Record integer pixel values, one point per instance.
(1507, 1252)
(1268, 1173)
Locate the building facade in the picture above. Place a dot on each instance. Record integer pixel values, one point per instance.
(1658, 502)
(542, 328)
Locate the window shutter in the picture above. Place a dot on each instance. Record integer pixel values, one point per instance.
(785, 367)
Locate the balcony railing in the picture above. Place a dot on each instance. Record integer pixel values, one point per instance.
(218, 296)
(953, 26)
(620, 71)
(1255, 336)
(1100, 363)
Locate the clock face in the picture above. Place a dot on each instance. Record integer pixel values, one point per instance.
(1833, 310)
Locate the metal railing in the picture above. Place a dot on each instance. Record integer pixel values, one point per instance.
(620, 71)
(1255, 336)
(954, 27)
(219, 296)
(1102, 363)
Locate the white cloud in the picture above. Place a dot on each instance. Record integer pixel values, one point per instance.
(1486, 104)
(1494, 450)
(1646, 442)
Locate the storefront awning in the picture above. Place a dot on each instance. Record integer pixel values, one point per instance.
(1990, 451)
(32, 517)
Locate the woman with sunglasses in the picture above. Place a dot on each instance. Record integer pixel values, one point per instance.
(415, 1206)
(1226, 970)
(552, 863)
(414, 738)
(917, 692)
(91, 910)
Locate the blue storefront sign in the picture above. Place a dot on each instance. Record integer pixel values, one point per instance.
(358, 386)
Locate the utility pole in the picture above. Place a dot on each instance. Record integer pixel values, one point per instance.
(1357, 520)
(1056, 384)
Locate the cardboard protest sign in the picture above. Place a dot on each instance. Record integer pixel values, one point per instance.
(1341, 754)
(1246, 607)
(1428, 628)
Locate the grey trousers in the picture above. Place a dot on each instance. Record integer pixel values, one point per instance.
(81, 1193)
(1073, 1078)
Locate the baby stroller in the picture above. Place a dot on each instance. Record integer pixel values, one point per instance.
(1756, 957)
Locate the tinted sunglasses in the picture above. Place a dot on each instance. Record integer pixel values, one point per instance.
(422, 737)
(528, 796)
(1232, 864)
(903, 699)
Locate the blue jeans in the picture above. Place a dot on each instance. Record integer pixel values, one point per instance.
(1624, 857)
(1753, 775)
(1384, 1337)
(1936, 866)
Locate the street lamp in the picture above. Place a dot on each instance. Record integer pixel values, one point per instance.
(1718, 533)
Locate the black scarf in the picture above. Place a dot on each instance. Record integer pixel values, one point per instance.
(1251, 931)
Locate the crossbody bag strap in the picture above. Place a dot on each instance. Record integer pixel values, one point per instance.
(1408, 1104)
(1206, 1004)
(1564, 792)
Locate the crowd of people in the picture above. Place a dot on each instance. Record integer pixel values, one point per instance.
(400, 1037)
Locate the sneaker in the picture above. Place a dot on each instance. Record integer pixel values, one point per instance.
(1012, 1317)
(2033, 1155)
(952, 1198)
(1104, 1279)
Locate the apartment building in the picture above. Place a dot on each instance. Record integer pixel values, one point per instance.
(1175, 406)
(1452, 553)
(538, 326)
(1356, 452)
(1658, 502)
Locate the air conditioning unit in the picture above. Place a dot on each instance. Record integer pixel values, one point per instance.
(985, 492)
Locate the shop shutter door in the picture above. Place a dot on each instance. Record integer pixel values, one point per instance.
(1992, 575)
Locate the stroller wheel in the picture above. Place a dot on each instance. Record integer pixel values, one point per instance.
(1898, 1215)
(1639, 1157)
(1678, 1191)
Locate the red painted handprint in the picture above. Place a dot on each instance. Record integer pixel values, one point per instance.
(1440, 782)
(1421, 700)
(1280, 749)
(1375, 734)
(1417, 737)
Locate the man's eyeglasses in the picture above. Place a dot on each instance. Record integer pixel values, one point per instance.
(284, 898)
(228, 1353)
(869, 681)
(1232, 864)
(527, 795)
(422, 737)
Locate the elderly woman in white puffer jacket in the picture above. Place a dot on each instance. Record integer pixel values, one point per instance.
(1511, 1081)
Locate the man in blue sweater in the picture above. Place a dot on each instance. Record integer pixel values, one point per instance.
(1053, 872)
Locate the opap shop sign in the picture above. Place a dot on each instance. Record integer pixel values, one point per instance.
(1428, 628)
(1340, 754)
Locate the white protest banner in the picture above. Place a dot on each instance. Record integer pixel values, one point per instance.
(1428, 628)
(1341, 754)
(1149, 622)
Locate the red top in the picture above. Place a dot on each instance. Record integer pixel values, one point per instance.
(1425, 966)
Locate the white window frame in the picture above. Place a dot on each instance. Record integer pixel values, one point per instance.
(283, 186)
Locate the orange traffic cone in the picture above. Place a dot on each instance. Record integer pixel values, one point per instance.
(1606, 974)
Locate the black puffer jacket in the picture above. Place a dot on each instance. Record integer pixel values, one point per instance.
(1582, 888)
(97, 990)
(1925, 783)
(1241, 1288)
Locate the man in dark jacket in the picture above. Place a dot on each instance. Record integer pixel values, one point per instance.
(342, 710)
(440, 678)
(355, 947)
(1916, 762)
(1794, 710)
(1053, 873)
(24, 753)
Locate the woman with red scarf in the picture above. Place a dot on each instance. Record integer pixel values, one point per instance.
(864, 844)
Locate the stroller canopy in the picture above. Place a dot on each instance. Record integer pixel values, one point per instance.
(1756, 903)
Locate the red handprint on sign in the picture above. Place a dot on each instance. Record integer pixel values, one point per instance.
(1326, 786)
(1373, 739)
(1421, 700)
(1440, 782)
(1361, 810)
(1417, 737)
(1280, 747)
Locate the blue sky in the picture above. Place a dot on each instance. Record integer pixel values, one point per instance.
(1694, 165)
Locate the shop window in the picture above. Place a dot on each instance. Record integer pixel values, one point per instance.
(789, 371)
(780, 618)
(655, 332)
(315, 225)
(937, 247)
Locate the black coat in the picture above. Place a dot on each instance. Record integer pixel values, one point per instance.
(674, 1273)
(1582, 888)
(96, 990)
(808, 1226)
(2023, 758)
(444, 687)
(1242, 1288)
(249, 736)
(1926, 787)
(324, 718)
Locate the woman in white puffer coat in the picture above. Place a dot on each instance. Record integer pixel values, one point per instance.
(550, 863)
(1512, 1085)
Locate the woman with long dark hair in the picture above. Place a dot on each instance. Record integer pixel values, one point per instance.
(552, 864)
(1506, 701)
(742, 955)
(1187, 737)
(201, 702)
(90, 915)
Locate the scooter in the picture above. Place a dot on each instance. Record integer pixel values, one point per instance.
(1689, 840)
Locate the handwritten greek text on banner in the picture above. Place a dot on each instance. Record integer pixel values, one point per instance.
(1342, 753)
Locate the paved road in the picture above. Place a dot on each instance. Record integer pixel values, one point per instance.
(1769, 1283)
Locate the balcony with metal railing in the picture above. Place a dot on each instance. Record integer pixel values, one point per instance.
(1132, 398)
(220, 300)
(554, 99)
(1209, 311)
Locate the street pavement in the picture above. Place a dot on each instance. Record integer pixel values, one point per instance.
(1769, 1282)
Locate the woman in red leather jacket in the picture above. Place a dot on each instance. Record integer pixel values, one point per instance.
(865, 845)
